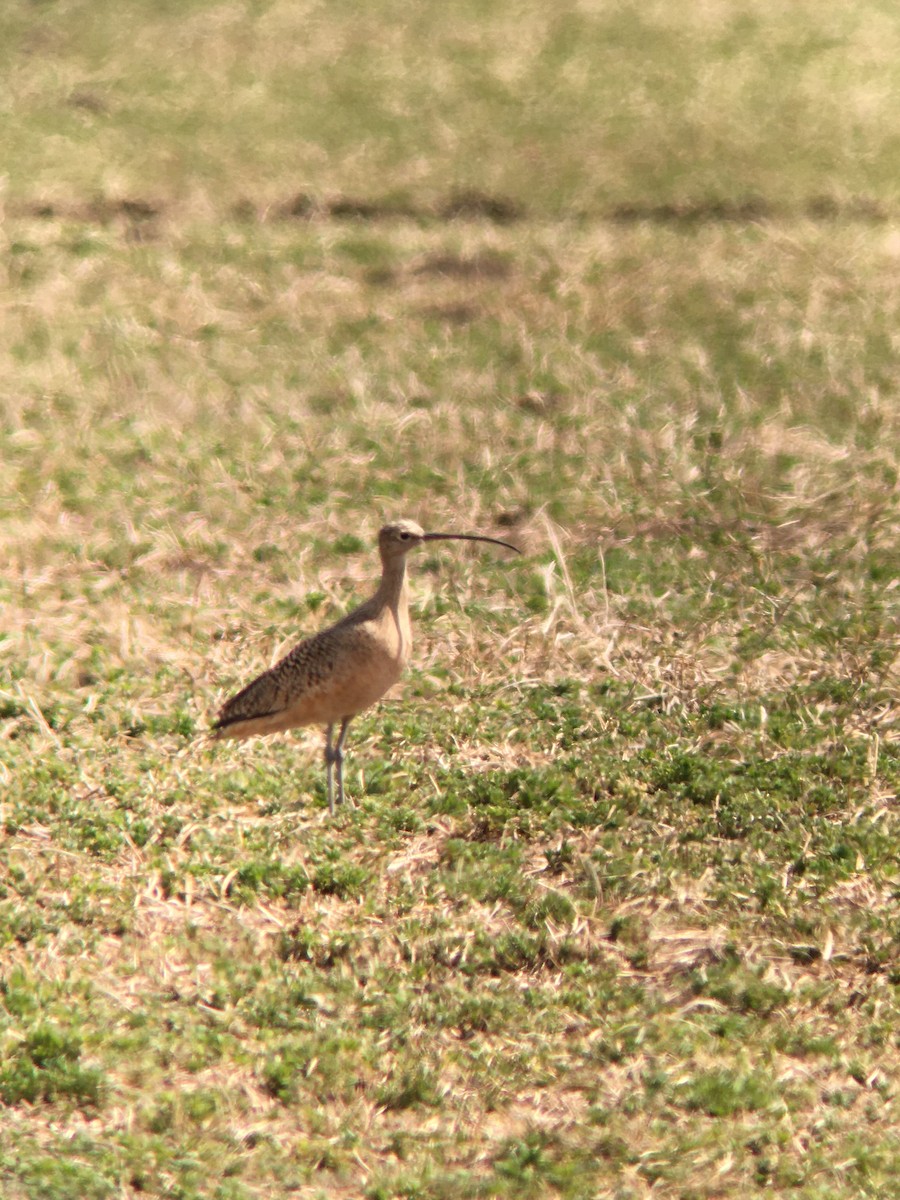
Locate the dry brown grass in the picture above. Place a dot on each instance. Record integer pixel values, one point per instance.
(615, 915)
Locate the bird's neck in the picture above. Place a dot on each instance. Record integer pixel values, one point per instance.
(393, 591)
(391, 603)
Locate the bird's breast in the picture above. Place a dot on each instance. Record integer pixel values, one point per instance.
(368, 659)
(391, 638)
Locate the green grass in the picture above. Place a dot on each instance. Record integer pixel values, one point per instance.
(498, 109)
(615, 910)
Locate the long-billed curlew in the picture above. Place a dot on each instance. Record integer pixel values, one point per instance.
(333, 675)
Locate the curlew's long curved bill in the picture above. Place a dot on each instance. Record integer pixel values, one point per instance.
(467, 537)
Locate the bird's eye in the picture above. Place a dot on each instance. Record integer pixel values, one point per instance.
(404, 537)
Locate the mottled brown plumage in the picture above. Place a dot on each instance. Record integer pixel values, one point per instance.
(335, 674)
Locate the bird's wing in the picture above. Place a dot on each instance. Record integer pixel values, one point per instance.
(307, 667)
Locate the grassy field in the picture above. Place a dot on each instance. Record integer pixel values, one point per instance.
(616, 911)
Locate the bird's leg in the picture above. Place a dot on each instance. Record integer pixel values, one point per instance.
(339, 758)
(329, 764)
(334, 757)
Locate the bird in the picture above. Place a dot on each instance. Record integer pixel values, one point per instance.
(330, 677)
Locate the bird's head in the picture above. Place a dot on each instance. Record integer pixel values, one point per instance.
(399, 537)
